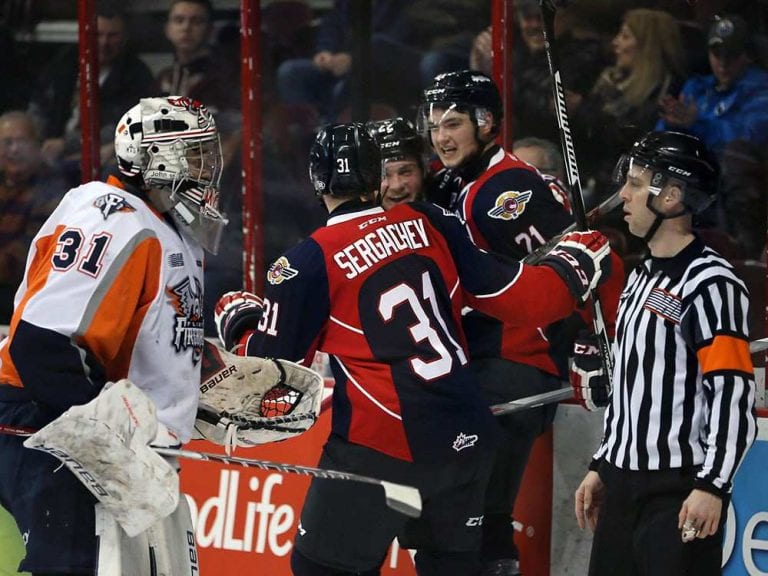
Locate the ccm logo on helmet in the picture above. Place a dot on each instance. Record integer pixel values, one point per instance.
(680, 171)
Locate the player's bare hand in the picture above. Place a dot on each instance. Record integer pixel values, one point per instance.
(699, 516)
(588, 498)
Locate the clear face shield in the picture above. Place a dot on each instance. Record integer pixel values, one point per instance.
(627, 167)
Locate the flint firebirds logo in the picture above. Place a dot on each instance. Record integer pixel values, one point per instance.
(280, 270)
(186, 300)
(509, 205)
(111, 203)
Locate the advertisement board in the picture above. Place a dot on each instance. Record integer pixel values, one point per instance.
(745, 550)
(246, 518)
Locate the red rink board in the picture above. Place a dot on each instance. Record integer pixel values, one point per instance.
(249, 516)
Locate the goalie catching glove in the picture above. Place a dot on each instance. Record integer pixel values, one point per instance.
(235, 313)
(591, 385)
(105, 444)
(582, 261)
(247, 401)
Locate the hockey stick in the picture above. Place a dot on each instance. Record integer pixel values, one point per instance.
(605, 206)
(548, 10)
(566, 393)
(399, 497)
(758, 345)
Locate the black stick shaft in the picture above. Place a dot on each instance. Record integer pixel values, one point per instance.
(548, 11)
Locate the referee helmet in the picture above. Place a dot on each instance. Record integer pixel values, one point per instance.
(675, 156)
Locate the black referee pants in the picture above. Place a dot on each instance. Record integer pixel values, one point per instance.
(637, 533)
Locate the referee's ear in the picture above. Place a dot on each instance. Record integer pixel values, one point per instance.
(672, 195)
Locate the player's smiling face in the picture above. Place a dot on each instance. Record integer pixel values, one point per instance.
(453, 136)
(401, 183)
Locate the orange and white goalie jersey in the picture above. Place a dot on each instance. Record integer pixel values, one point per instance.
(111, 290)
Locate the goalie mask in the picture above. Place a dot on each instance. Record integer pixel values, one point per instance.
(172, 144)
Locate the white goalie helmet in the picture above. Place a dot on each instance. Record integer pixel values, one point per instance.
(173, 144)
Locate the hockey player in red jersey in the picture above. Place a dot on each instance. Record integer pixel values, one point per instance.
(511, 210)
(382, 294)
(112, 290)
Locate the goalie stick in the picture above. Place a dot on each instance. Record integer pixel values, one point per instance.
(566, 393)
(399, 497)
(548, 11)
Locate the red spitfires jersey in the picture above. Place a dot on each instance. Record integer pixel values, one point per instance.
(510, 209)
(382, 293)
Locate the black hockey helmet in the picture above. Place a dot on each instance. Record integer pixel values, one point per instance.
(344, 160)
(678, 156)
(397, 139)
(465, 91)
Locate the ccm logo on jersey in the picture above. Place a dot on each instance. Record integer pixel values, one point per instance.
(509, 205)
(376, 220)
(111, 203)
(280, 270)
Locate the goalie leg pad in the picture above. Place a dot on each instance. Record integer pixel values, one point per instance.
(167, 548)
(104, 444)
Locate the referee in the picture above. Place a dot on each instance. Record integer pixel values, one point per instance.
(681, 412)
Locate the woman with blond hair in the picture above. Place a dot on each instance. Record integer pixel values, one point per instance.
(624, 102)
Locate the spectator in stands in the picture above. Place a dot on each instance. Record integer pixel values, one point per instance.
(123, 79)
(623, 104)
(446, 29)
(198, 71)
(29, 191)
(543, 154)
(729, 104)
(322, 80)
(583, 53)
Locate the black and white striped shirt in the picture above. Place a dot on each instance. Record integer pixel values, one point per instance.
(683, 383)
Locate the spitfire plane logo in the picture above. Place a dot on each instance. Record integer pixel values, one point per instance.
(186, 300)
(510, 205)
(281, 270)
(111, 203)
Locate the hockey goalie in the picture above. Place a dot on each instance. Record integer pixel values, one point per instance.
(104, 354)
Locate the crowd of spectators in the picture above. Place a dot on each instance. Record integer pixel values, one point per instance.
(627, 68)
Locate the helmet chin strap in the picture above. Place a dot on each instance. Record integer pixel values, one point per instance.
(659, 219)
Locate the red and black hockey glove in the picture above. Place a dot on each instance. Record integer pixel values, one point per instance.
(591, 385)
(581, 259)
(235, 313)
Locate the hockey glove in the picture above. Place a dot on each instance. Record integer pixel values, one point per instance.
(581, 259)
(591, 385)
(235, 313)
